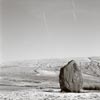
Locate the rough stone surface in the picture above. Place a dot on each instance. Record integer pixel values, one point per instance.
(70, 78)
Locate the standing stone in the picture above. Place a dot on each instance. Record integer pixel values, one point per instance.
(70, 78)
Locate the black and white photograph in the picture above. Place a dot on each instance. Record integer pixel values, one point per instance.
(49, 49)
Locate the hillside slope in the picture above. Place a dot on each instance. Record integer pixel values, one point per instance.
(43, 74)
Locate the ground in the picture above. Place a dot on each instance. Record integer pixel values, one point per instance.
(38, 80)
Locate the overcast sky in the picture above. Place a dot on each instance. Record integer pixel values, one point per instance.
(33, 29)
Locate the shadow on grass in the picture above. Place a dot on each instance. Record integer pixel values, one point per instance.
(91, 88)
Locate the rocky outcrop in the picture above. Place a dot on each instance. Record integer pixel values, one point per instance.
(70, 78)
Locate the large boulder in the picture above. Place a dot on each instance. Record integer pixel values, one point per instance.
(70, 78)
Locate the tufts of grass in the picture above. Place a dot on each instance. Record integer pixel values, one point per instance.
(91, 86)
